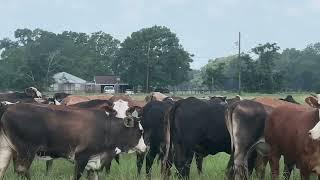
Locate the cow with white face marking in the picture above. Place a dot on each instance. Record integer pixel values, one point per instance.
(85, 136)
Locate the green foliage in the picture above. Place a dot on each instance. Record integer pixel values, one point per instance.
(159, 47)
(212, 74)
(36, 55)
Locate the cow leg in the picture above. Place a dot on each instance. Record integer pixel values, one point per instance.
(149, 161)
(288, 167)
(274, 164)
(260, 166)
(93, 175)
(80, 164)
(107, 167)
(140, 158)
(199, 161)
(229, 170)
(183, 161)
(304, 174)
(5, 155)
(48, 166)
(23, 162)
(166, 166)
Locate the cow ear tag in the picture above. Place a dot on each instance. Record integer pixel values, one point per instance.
(128, 122)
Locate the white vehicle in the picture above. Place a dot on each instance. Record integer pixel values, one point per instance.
(109, 89)
(129, 91)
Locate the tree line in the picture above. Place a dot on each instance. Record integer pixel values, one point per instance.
(34, 56)
(265, 69)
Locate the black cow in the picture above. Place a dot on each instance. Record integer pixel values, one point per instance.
(194, 126)
(27, 96)
(152, 120)
(85, 136)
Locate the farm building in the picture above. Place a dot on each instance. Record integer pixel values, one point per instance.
(68, 83)
(105, 83)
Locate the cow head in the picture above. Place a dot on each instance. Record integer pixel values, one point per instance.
(314, 133)
(121, 107)
(312, 101)
(110, 111)
(134, 111)
(33, 92)
(134, 135)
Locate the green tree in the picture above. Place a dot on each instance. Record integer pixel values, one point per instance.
(266, 58)
(157, 49)
(213, 76)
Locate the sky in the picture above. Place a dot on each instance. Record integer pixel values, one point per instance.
(206, 28)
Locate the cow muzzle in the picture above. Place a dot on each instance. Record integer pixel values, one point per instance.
(140, 147)
(314, 133)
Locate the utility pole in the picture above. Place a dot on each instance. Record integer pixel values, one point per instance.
(148, 56)
(239, 68)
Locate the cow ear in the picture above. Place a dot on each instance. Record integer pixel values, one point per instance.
(110, 111)
(134, 111)
(29, 92)
(312, 101)
(128, 122)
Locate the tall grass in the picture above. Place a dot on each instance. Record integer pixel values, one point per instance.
(213, 168)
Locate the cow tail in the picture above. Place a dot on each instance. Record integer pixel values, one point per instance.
(168, 134)
(228, 118)
(3, 108)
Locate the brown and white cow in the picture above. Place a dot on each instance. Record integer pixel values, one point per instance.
(85, 136)
(287, 131)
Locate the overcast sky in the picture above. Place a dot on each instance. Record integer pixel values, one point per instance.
(206, 28)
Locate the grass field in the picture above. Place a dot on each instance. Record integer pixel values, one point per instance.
(213, 167)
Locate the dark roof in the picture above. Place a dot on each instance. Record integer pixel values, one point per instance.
(107, 79)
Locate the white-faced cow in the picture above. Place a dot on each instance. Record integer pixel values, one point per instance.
(85, 136)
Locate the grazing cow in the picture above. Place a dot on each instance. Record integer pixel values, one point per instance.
(245, 121)
(27, 96)
(287, 133)
(85, 136)
(194, 126)
(152, 121)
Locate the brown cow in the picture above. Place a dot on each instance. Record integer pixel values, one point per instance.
(245, 121)
(84, 136)
(287, 133)
(74, 99)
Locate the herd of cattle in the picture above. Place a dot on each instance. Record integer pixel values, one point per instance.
(91, 131)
